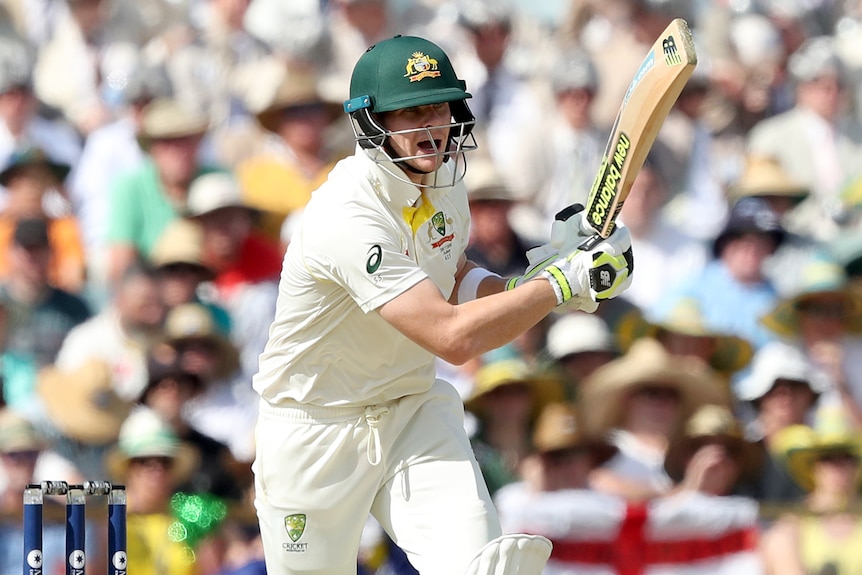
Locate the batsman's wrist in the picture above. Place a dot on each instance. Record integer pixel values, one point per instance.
(559, 282)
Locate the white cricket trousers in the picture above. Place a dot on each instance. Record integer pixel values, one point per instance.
(320, 471)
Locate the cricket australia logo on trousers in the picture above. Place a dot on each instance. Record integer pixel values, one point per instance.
(294, 525)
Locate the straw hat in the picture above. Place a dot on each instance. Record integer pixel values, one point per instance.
(181, 242)
(558, 427)
(647, 362)
(579, 333)
(802, 446)
(491, 376)
(819, 278)
(731, 353)
(712, 424)
(82, 402)
(145, 434)
(764, 176)
(193, 321)
(778, 360)
(297, 89)
(18, 434)
(166, 118)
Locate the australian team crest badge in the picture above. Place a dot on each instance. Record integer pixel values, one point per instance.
(421, 66)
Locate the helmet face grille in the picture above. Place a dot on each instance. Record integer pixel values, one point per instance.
(373, 139)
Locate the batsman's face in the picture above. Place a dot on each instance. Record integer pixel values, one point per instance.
(420, 133)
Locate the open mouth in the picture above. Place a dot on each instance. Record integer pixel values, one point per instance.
(429, 147)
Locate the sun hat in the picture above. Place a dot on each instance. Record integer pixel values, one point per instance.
(763, 176)
(82, 403)
(819, 277)
(749, 216)
(558, 427)
(18, 434)
(17, 61)
(167, 118)
(685, 318)
(712, 424)
(181, 242)
(647, 362)
(484, 182)
(574, 70)
(802, 446)
(214, 191)
(32, 156)
(297, 89)
(545, 387)
(193, 321)
(145, 434)
(815, 58)
(579, 333)
(779, 360)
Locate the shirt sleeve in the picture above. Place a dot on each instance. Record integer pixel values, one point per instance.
(365, 253)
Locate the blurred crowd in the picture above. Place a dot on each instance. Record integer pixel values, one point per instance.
(154, 157)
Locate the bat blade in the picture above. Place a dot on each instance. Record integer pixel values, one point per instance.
(648, 100)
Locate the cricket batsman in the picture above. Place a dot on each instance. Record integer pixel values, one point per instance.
(374, 285)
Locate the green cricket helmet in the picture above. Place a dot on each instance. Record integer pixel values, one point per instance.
(404, 72)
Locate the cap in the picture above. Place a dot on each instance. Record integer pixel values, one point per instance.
(749, 215)
(574, 71)
(31, 233)
(579, 333)
(815, 58)
(213, 191)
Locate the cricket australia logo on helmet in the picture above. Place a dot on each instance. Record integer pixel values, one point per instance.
(410, 72)
(421, 66)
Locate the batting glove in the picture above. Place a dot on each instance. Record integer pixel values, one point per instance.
(594, 272)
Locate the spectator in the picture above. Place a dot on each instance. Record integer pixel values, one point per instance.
(146, 199)
(29, 178)
(245, 264)
(816, 141)
(40, 315)
(658, 242)
(561, 154)
(764, 178)
(81, 412)
(21, 124)
(297, 154)
(732, 290)
(781, 390)
(110, 151)
(207, 65)
(825, 319)
(506, 398)
(580, 343)
(178, 262)
(644, 397)
(151, 462)
(67, 73)
(683, 332)
(168, 391)
(825, 462)
(120, 333)
(225, 410)
(20, 447)
(494, 244)
(712, 455)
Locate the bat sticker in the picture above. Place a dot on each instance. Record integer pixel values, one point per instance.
(671, 54)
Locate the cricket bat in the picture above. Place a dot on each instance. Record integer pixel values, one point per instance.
(647, 102)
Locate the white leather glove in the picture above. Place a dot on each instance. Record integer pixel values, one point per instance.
(597, 270)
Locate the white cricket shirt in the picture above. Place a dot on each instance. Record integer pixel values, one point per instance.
(364, 238)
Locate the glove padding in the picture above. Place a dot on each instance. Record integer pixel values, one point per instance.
(599, 270)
